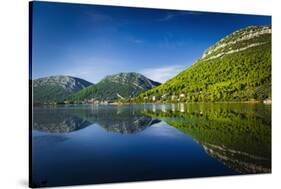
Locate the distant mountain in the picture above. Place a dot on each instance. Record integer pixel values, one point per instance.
(56, 88)
(236, 68)
(117, 86)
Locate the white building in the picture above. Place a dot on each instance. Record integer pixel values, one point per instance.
(267, 101)
(182, 95)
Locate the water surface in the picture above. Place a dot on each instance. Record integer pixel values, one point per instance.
(83, 144)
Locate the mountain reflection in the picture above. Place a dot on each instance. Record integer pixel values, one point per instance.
(123, 120)
(53, 120)
(238, 135)
(117, 119)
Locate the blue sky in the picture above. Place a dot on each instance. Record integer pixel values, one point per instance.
(90, 41)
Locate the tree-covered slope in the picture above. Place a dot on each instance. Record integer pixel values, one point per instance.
(237, 68)
(56, 88)
(117, 86)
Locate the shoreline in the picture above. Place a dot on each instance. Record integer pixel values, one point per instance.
(134, 103)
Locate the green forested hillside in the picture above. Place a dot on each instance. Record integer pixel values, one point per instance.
(114, 87)
(237, 68)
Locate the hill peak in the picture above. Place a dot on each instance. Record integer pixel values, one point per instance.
(239, 40)
(134, 78)
(56, 87)
(122, 85)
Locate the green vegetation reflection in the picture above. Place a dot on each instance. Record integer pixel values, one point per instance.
(239, 135)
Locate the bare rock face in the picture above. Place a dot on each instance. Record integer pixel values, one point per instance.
(67, 82)
(240, 40)
(56, 87)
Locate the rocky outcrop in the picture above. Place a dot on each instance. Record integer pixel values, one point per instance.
(238, 41)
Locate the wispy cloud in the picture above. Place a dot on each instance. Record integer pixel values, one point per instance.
(162, 74)
(97, 17)
(170, 16)
(170, 41)
(93, 69)
(138, 41)
(90, 73)
(135, 40)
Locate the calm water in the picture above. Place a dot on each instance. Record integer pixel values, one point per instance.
(82, 144)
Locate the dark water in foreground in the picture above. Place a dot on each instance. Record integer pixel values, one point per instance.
(83, 144)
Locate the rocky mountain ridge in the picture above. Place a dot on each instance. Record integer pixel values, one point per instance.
(243, 37)
(56, 88)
